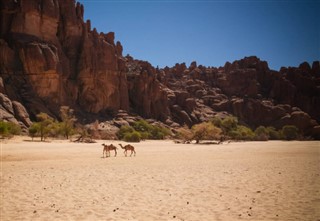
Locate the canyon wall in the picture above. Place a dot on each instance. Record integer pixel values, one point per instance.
(50, 56)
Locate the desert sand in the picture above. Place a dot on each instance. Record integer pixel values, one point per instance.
(61, 180)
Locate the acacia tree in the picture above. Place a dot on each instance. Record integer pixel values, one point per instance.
(68, 121)
(42, 127)
(205, 131)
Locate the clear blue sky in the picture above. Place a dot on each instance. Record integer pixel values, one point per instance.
(284, 33)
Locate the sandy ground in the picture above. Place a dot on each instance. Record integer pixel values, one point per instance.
(61, 180)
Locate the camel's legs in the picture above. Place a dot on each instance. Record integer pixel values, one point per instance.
(115, 153)
(125, 152)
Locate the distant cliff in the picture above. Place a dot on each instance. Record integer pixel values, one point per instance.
(50, 57)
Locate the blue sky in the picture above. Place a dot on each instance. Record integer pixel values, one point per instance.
(283, 33)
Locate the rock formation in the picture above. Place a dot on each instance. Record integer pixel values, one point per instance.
(49, 57)
(247, 89)
(52, 55)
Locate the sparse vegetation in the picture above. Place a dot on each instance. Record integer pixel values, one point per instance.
(141, 130)
(66, 127)
(231, 128)
(9, 129)
(46, 126)
(42, 127)
(216, 129)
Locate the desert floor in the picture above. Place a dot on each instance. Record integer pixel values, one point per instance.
(61, 180)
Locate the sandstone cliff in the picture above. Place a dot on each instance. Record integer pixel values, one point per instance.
(49, 57)
(249, 90)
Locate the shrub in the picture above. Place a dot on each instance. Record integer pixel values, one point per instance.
(66, 127)
(123, 131)
(216, 121)
(142, 126)
(273, 133)
(145, 131)
(185, 134)
(34, 130)
(43, 127)
(261, 133)
(4, 129)
(229, 123)
(290, 132)
(241, 133)
(8, 129)
(205, 131)
(159, 133)
(132, 137)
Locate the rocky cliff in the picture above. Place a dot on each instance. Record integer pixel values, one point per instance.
(247, 89)
(49, 57)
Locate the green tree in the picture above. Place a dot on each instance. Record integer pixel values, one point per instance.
(205, 131)
(45, 122)
(290, 132)
(68, 121)
(34, 130)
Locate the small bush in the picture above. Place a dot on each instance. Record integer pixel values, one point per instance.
(34, 130)
(290, 132)
(123, 131)
(132, 137)
(241, 133)
(185, 134)
(8, 129)
(216, 121)
(261, 133)
(274, 134)
(145, 131)
(159, 133)
(4, 129)
(142, 126)
(229, 123)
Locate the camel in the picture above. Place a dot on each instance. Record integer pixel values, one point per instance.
(128, 147)
(107, 148)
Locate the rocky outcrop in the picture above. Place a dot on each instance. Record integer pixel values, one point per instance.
(13, 111)
(146, 94)
(247, 89)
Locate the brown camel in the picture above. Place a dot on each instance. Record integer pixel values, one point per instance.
(107, 148)
(128, 147)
